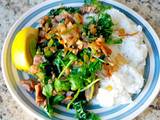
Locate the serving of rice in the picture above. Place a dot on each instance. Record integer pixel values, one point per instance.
(128, 79)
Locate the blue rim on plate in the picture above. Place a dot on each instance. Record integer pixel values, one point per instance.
(152, 70)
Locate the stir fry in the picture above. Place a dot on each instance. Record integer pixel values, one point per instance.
(72, 52)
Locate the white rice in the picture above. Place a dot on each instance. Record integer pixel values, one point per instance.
(128, 79)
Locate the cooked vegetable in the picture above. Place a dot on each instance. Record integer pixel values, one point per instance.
(69, 55)
(47, 90)
(55, 12)
(100, 6)
(82, 114)
(60, 85)
(57, 99)
(104, 25)
(74, 98)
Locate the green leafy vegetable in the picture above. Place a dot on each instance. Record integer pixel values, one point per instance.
(46, 68)
(40, 75)
(57, 43)
(82, 114)
(95, 66)
(49, 21)
(72, 10)
(99, 5)
(72, 58)
(68, 64)
(49, 110)
(114, 41)
(61, 85)
(57, 99)
(76, 81)
(93, 116)
(55, 12)
(86, 31)
(50, 43)
(59, 61)
(47, 90)
(62, 71)
(87, 87)
(104, 25)
(85, 51)
(47, 52)
(75, 96)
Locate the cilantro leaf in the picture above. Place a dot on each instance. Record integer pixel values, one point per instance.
(114, 41)
(57, 99)
(55, 12)
(49, 110)
(47, 90)
(61, 85)
(95, 66)
(76, 81)
(98, 4)
(104, 25)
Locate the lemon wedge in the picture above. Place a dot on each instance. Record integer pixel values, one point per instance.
(24, 48)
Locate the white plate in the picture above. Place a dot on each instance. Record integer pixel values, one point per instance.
(125, 112)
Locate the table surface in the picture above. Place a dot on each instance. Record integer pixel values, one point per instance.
(11, 10)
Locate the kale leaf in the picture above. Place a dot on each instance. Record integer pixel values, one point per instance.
(72, 10)
(82, 114)
(92, 116)
(55, 12)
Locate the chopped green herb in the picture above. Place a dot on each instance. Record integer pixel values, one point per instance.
(49, 110)
(114, 41)
(61, 85)
(47, 90)
(55, 12)
(57, 99)
(104, 25)
(99, 5)
(76, 81)
(50, 43)
(75, 96)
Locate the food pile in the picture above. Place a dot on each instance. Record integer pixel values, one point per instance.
(69, 54)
